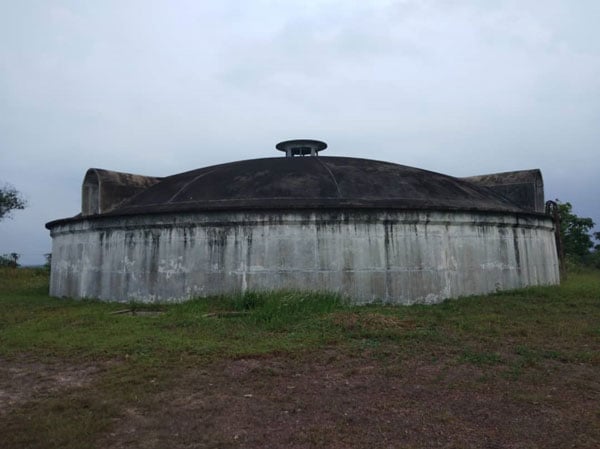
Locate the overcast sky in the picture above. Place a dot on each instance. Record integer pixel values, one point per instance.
(160, 87)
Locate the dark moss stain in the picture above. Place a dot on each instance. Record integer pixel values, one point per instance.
(516, 247)
(217, 242)
(306, 219)
(129, 244)
(387, 243)
(100, 252)
(152, 240)
(332, 222)
(248, 251)
(105, 238)
(525, 250)
(319, 254)
(426, 223)
(130, 240)
(274, 219)
(503, 250)
(189, 236)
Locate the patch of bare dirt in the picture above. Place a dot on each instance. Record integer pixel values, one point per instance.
(337, 400)
(26, 378)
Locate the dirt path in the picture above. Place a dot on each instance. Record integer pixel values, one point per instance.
(332, 399)
(347, 401)
(25, 378)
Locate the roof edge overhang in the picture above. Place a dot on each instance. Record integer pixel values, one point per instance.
(314, 208)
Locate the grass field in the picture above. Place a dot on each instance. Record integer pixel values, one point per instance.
(288, 369)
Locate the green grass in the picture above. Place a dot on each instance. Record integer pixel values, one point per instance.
(33, 323)
(547, 320)
(509, 334)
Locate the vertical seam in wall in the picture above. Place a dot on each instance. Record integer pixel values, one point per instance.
(332, 176)
(188, 183)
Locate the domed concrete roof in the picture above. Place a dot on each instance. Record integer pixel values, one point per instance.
(311, 183)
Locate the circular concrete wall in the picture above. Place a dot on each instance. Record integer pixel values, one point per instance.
(400, 257)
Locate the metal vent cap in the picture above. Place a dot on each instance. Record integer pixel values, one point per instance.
(301, 147)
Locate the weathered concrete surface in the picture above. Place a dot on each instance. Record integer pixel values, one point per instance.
(397, 257)
(525, 188)
(292, 183)
(103, 190)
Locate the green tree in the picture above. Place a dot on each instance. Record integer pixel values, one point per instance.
(9, 260)
(575, 232)
(10, 199)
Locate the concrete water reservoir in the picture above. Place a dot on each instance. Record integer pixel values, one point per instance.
(370, 230)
